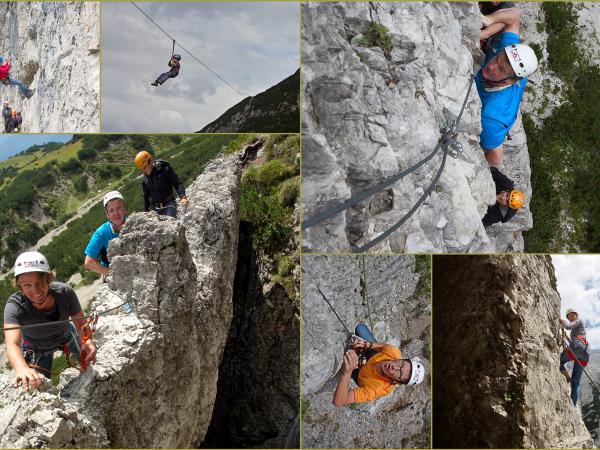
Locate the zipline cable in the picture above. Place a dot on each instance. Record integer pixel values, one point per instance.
(187, 51)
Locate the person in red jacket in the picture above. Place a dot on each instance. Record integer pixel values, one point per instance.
(5, 78)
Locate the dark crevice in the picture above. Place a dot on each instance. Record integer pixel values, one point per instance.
(257, 392)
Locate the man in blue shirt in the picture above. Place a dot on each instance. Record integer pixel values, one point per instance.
(96, 253)
(501, 81)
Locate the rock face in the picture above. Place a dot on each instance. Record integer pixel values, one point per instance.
(272, 111)
(56, 49)
(397, 296)
(155, 380)
(589, 397)
(496, 379)
(370, 113)
(258, 389)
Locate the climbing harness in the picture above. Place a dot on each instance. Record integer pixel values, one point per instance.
(580, 363)
(449, 146)
(187, 51)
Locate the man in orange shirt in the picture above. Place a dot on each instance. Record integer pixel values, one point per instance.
(383, 370)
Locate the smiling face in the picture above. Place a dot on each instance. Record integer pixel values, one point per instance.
(115, 211)
(502, 198)
(572, 317)
(498, 69)
(398, 370)
(35, 287)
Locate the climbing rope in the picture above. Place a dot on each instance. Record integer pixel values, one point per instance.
(367, 291)
(90, 316)
(330, 305)
(579, 362)
(448, 139)
(187, 51)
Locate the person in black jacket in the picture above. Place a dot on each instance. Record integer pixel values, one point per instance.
(6, 115)
(174, 65)
(158, 182)
(508, 200)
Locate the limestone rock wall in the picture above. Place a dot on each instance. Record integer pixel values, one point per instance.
(398, 301)
(369, 114)
(155, 380)
(56, 50)
(496, 379)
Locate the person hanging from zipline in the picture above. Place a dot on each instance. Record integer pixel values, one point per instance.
(174, 64)
(383, 371)
(577, 351)
(502, 79)
(41, 300)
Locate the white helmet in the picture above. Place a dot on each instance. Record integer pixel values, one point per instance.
(417, 373)
(31, 262)
(571, 310)
(522, 59)
(111, 196)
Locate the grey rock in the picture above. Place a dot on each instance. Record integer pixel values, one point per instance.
(155, 379)
(496, 379)
(56, 50)
(368, 116)
(394, 303)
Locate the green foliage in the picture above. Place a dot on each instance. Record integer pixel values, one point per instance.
(563, 49)
(58, 364)
(272, 222)
(140, 142)
(304, 407)
(279, 146)
(288, 193)
(86, 153)
(175, 138)
(80, 183)
(378, 36)
(240, 141)
(72, 165)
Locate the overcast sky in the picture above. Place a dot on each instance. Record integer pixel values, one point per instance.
(14, 143)
(251, 45)
(578, 281)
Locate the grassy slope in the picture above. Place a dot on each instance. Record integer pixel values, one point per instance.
(286, 91)
(565, 161)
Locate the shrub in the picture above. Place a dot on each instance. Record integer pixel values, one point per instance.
(378, 36)
(86, 153)
(72, 165)
(288, 193)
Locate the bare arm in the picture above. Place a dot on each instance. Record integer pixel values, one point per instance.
(509, 18)
(94, 265)
(24, 374)
(343, 395)
(490, 30)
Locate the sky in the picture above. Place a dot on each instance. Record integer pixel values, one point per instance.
(12, 144)
(578, 282)
(253, 46)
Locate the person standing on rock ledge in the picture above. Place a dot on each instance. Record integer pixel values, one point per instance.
(5, 78)
(508, 200)
(576, 352)
(40, 300)
(158, 182)
(502, 80)
(96, 253)
(378, 377)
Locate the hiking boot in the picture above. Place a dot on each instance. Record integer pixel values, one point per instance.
(155, 83)
(566, 374)
(30, 93)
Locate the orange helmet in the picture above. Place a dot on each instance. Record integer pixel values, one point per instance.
(516, 199)
(142, 159)
(14, 114)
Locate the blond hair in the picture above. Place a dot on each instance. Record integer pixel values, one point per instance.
(47, 278)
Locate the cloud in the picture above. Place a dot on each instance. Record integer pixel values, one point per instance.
(251, 45)
(578, 282)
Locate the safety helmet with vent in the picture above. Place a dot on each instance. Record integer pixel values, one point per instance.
(571, 310)
(522, 59)
(177, 57)
(111, 196)
(516, 199)
(417, 373)
(31, 262)
(142, 158)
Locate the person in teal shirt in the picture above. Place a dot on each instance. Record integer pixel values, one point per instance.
(96, 253)
(502, 80)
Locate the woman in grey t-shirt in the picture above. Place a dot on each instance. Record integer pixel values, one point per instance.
(41, 301)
